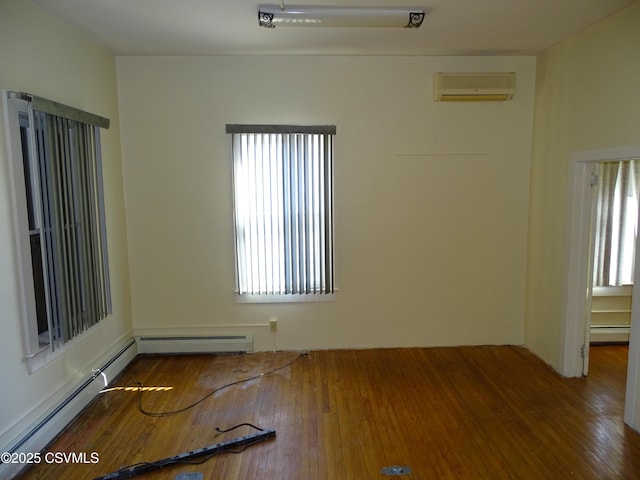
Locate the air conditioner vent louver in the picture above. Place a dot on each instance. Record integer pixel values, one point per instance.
(474, 87)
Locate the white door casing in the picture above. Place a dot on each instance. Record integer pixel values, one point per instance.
(577, 276)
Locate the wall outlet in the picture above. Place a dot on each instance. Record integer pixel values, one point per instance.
(273, 325)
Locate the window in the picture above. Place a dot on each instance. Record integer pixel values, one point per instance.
(616, 223)
(283, 212)
(60, 224)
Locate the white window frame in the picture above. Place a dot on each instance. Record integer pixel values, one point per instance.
(38, 353)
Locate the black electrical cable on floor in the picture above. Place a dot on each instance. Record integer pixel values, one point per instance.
(213, 392)
(219, 430)
(168, 462)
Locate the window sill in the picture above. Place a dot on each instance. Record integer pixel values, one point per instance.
(44, 355)
(622, 291)
(287, 298)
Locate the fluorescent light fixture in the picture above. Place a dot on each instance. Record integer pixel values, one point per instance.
(271, 16)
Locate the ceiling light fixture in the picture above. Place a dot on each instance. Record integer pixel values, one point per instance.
(271, 16)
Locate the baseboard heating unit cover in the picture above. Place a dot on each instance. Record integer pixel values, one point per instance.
(196, 344)
(610, 334)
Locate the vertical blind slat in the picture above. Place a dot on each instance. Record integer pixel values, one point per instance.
(320, 216)
(63, 169)
(72, 232)
(304, 205)
(299, 241)
(86, 300)
(328, 185)
(58, 230)
(238, 208)
(287, 212)
(87, 273)
(252, 224)
(258, 251)
(318, 209)
(268, 204)
(93, 244)
(69, 159)
(100, 221)
(49, 246)
(249, 230)
(67, 230)
(278, 222)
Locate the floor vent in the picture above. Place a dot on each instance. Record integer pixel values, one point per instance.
(196, 344)
(396, 470)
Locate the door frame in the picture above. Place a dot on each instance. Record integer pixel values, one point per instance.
(575, 349)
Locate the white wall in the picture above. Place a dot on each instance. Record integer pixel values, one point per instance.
(431, 198)
(42, 56)
(587, 97)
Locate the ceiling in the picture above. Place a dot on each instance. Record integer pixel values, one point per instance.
(230, 27)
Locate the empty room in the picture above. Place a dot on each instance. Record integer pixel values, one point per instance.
(325, 240)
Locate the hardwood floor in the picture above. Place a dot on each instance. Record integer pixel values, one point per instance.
(446, 413)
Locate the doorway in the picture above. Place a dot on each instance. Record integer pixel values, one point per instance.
(613, 235)
(576, 321)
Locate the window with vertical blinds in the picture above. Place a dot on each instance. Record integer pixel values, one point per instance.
(616, 223)
(71, 224)
(60, 219)
(283, 212)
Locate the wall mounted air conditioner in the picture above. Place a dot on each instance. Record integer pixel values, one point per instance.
(474, 87)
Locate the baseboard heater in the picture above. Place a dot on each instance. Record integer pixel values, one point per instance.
(195, 344)
(610, 334)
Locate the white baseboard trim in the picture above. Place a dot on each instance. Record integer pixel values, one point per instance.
(39, 434)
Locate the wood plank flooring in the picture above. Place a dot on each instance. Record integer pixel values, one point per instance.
(447, 413)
